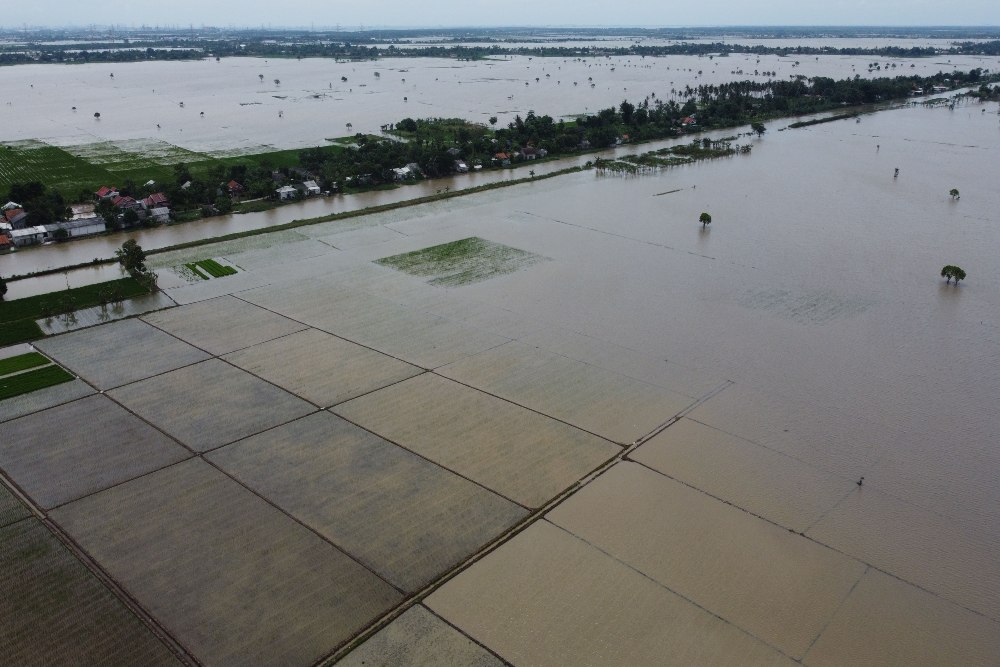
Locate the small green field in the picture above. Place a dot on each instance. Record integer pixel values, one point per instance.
(22, 362)
(210, 267)
(40, 378)
(17, 317)
(462, 262)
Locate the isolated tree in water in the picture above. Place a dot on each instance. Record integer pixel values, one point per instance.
(954, 193)
(758, 128)
(132, 258)
(950, 271)
(704, 219)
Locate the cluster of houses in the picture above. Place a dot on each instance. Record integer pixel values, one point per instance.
(17, 231)
(307, 188)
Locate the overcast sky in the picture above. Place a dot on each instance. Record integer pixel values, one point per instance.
(436, 13)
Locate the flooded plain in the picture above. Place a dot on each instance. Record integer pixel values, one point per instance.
(802, 410)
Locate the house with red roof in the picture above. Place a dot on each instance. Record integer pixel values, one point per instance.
(155, 200)
(124, 202)
(107, 192)
(17, 218)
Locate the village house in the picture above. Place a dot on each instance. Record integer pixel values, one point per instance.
(155, 200)
(502, 158)
(106, 192)
(286, 192)
(6, 243)
(234, 189)
(29, 236)
(461, 167)
(159, 214)
(124, 202)
(402, 173)
(16, 217)
(311, 188)
(77, 228)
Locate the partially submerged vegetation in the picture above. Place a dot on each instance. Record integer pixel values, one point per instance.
(704, 149)
(17, 317)
(462, 262)
(825, 119)
(209, 268)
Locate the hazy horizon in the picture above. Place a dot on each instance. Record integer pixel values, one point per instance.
(390, 14)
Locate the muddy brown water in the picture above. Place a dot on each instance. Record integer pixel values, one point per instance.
(815, 290)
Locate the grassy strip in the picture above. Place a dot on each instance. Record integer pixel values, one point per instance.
(15, 385)
(43, 305)
(20, 331)
(22, 362)
(215, 269)
(345, 214)
(312, 221)
(817, 121)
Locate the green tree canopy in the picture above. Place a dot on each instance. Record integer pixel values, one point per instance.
(132, 258)
(705, 219)
(951, 271)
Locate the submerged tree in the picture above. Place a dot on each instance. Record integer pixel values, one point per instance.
(758, 128)
(132, 258)
(950, 271)
(704, 219)
(954, 193)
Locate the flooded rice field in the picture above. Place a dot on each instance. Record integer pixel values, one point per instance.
(767, 440)
(230, 107)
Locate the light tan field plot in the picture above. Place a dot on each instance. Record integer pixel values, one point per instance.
(774, 584)
(55, 612)
(613, 406)
(409, 334)
(236, 581)
(548, 599)
(840, 443)
(222, 325)
(11, 509)
(321, 368)
(25, 404)
(69, 451)
(120, 352)
(944, 556)
(613, 357)
(888, 623)
(210, 404)
(759, 480)
(520, 454)
(403, 517)
(419, 638)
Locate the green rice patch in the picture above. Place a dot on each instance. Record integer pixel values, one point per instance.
(205, 268)
(20, 331)
(22, 362)
(462, 262)
(40, 378)
(58, 169)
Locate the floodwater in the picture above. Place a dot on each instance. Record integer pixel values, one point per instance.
(808, 329)
(241, 101)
